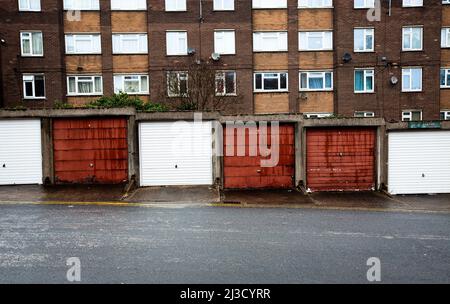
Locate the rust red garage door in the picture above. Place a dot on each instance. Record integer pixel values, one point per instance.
(90, 150)
(341, 159)
(246, 172)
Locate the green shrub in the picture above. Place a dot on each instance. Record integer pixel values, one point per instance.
(62, 105)
(123, 100)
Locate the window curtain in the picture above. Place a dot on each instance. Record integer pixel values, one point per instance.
(316, 83)
(37, 43)
(359, 81)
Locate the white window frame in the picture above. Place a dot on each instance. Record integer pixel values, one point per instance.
(367, 32)
(446, 72)
(94, 5)
(364, 114)
(281, 44)
(365, 5)
(77, 80)
(221, 75)
(229, 47)
(182, 49)
(92, 38)
(445, 37)
(31, 78)
(129, 5)
(264, 4)
(176, 6)
(309, 34)
(317, 115)
(179, 74)
(410, 29)
(29, 7)
(412, 3)
(122, 78)
(220, 5)
(119, 38)
(367, 72)
(309, 75)
(315, 3)
(446, 113)
(267, 75)
(409, 71)
(30, 39)
(407, 115)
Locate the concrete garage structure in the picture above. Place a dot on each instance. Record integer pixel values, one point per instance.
(419, 162)
(20, 152)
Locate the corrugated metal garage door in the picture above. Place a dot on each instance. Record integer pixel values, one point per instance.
(245, 172)
(341, 159)
(20, 152)
(419, 162)
(175, 153)
(90, 150)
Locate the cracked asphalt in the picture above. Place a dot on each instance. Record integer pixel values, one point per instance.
(220, 245)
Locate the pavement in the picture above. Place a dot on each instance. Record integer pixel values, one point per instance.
(210, 196)
(220, 245)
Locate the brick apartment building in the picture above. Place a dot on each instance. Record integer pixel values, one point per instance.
(315, 57)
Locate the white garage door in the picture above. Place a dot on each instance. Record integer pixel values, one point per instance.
(419, 162)
(20, 152)
(175, 153)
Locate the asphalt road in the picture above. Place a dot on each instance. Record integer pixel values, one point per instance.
(220, 245)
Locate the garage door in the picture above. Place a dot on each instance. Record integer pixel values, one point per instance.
(341, 159)
(20, 152)
(419, 162)
(175, 153)
(246, 172)
(90, 150)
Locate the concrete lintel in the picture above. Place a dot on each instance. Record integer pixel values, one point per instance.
(174, 116)
(344, 122)
(283, 118)
(57, 113)
(445, 125)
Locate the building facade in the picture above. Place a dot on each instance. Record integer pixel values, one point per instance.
(362, 58)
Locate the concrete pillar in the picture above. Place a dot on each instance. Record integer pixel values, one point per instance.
(48, 174)
(133, 150)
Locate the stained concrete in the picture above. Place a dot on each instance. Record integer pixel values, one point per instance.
(266, 197)
(195, 194)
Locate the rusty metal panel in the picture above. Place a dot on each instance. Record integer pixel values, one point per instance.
(341, 159)
(245, 172)
(90, 151)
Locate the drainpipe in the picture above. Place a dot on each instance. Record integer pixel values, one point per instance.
(2, 44)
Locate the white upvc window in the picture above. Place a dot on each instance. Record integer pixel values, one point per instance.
(176, 43)
(224, 5)
(83, 44)
(445, 1)
(364, 81)
(175, 5)
(364, 4)
(412, 38)
(412, 3)
(30, 5)
(316, 41)
(226, 83)
(269, 4)
(316, 81)
(33, 86)
(315, 3)
(177, 84)
(270, 41)
(131, 84)
(271, 82)
(317, 115)
(364, 39)
(364, 114)
(445, 37)
(31, 44)
(445, 115)
(412, 115)
(84, 85)
(412, 79)
(129, 5)
(445, 78)
(82, 5)
(130, 43)
(225, 42)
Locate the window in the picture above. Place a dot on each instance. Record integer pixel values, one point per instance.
(129, 5)
(445, 115)
(177, 84)
(315, 3)
(84, 85)
(364, 39)
(131, 84)
(31, 44)
(175, 5)
(269, 3)
(317, 115)
(271, 82)
(412, 38)
(445, 78)
(83, 44)
(176, 43)
(364, 80)
(362, 114)
(414, 115)
(412, 3)
(445, 37)
(33, 87)
(82, 5)
(226, 83)
(270, 42)
(445, 1)
(224, 5)
(130, 44)
(316, 81)
(30, 5)
(224, 42)
(412, 80)
(315, 41)
(364, 4)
